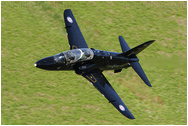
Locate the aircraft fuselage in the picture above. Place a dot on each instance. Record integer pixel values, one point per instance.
(98, 59)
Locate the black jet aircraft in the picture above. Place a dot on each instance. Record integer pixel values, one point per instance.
(90, 63)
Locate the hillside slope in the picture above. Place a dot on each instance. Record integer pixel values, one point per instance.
(33, 30)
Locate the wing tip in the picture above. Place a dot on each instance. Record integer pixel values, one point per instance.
(67, 11)
(130, 117)
(147, 82)
(151, 41)
(150, 85)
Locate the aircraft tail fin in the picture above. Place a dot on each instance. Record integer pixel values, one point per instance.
(124, 45)
(131, 53)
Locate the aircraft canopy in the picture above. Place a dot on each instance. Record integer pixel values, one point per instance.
(75, 55)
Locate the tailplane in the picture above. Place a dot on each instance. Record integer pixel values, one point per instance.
(131, 53)
(134, 51)
(138, 69)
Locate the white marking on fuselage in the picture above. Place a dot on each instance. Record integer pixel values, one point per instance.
(83, 67)
(111, 57)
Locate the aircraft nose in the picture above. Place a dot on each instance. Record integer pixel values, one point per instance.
(45, 63)
(35, 64)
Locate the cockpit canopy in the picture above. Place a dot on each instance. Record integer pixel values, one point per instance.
(74, 55)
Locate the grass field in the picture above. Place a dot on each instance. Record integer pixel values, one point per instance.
(33, 30)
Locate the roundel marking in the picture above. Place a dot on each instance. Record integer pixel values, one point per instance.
(121, 108)
(69, 19)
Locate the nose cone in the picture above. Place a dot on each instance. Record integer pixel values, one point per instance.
(45, 63)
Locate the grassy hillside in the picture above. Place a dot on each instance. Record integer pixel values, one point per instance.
(33, 30)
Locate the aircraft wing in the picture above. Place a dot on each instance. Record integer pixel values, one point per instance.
(101, 83)
(75, 37)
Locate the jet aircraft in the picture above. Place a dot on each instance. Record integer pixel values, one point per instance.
(90, 62)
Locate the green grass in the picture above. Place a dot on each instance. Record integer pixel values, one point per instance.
(33, 30)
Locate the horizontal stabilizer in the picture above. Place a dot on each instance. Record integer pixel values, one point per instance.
(134, 51)
(138, 69)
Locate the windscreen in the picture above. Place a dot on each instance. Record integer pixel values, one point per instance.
(59, 58)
